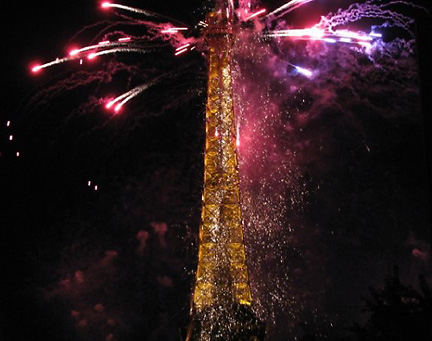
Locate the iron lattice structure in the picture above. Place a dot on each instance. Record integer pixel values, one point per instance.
(221, 256)
(222, 295)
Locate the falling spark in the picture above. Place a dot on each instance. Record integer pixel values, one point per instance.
(374, 34)
(289, 6)
(353, 35)
(238, 135)
(116, 50)
(76, 52)
(127, 8)
(122, 99)
(10, 137)
(173, 30)
(182, 47)
(315, 33)
(37, 68)
(262, 11)
(180, 51)
(231, 4)
(303, 71)
(329, 40)
(8, 123)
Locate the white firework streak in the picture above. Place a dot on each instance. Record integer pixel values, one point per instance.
(253, 15)
(128, 8)
(303, 71)
(289, 6)
(316, 33)
(99, 46)
(75, 54)
(118, 49)
(127, 96)
(138, 10)
(36, 68)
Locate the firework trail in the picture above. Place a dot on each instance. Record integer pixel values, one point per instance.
(288, 7)
(370, 9)
(123, 43)
(287, 87)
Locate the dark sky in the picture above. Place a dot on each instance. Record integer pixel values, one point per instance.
(70, 252)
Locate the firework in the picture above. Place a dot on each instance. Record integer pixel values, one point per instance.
(269, 168)
(164, 29)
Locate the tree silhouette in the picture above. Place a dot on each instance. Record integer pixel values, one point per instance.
(398, 312)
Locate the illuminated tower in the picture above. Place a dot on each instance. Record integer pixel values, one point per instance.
(222, 294)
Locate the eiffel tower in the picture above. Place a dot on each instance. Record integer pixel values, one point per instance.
(221, 307)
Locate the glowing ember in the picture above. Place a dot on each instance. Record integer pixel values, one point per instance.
(74, 52)
(36, 68)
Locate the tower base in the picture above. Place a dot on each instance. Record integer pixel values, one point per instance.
(234, 322)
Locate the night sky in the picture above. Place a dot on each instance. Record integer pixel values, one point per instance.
(100, 212)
